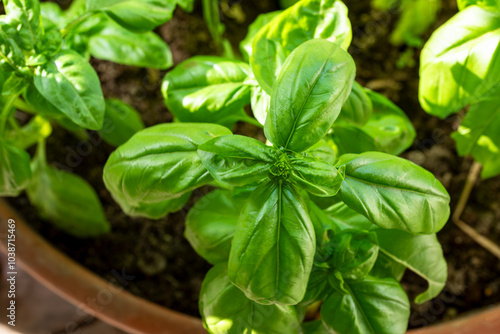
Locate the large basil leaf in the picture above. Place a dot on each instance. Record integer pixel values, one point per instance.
(247, 43)
(138, 16)
(308, 94)
(115, 43)
(307, 20)
(460, 62)
(15, 171)
(317, 177)
(394, 193)
(207, 89)
(211, 222)
(67, 201)
(388, 125)
(478, 135)
(371, 306)
(226, 310)
(237, 160)
(27, 12)
(273, 246)
(121, 122)
(159, 163)
(70, 83)
(358, 106)
(420, 253)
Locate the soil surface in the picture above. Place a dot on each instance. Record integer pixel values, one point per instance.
(168, 272)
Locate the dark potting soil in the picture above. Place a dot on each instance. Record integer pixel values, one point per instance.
(167, 271)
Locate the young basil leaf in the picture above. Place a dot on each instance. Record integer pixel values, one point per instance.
(211, 222)
(421, 254)
(349, 138)
(207, 89)
(358, 106)
(273, 246)
(115, 43)
(237, 160)
(260, 102)
(314, 327)
(478, 135)
(121, 122)
(307, 20)
(137, 16)
(27, 12)
(308, 94)
(460, 63)
(388, 125)
(157, 210)
(15, 172)
(226, 310)
(323, 151)
(253, 29)
(371, 306)
(59, 195)
(394, 193)
(70, 84)
(315, 176)
(352, 253)
(159, 163)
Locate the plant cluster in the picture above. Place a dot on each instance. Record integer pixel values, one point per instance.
(45, 71)
(459, 68)
(304, 221)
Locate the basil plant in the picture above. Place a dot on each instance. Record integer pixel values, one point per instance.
(292, 224)
(460, 66)
(45, 72)
(216, 89)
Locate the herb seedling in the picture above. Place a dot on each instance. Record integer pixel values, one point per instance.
(275, 251)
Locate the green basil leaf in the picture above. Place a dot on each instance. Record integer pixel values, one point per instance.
(386, 267)
(314, 327)
(421, 254)
(307, 20)
(352, 253)
(247, 43)
(237, 160)
(478, 135)
(460, 62)
(226, 310)
(394, 193)
(308, 94)
(10, 42)
(388, 125)
(115, 43)
(27, 12)
(121, 122)
(343, 218)
(157, 210)
(34, 131)
(350, 138)
(323, 151)
(260, 102)
(187, 5)
(52, 16)
(273, 246)
(372, 305)
(211, 222)
(15, 172)
(417, 16)
(207, 89)
(137, 16)
(462, 4)
(159, 163)
(70, 84)
(315, 176)
(358, 106)
(58, 197)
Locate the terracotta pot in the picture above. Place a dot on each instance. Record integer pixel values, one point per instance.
(135, 315)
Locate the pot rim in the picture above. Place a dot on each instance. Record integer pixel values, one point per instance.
(135, 315)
